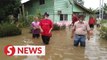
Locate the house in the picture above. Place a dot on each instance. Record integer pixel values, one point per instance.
(59, 10)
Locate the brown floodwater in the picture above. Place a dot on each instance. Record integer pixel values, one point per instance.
(60, 47)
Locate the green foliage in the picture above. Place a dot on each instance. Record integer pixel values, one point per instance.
(62, 27)
(56, 27)
(103, 21)
(103, 32)
(8, 7)
(7, 29)
(38, 14)
(105, 7)
(30, 19)
(25, 22)
(21, 21)
(93, 11)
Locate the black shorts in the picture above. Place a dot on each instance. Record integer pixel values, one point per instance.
(91, 25)
(45, 39)
(35, 35)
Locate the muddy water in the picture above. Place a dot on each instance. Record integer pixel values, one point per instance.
(60, 47)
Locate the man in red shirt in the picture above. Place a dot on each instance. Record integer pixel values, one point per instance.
(46, 26)
(74, 19)
(92, 22)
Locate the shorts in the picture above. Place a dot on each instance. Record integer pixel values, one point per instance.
(35, 35)
(91, 25)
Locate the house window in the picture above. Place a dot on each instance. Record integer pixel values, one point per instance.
(63, 17)
(42, 2)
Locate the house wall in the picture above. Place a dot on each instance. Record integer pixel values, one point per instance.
(80, 10)
(52, 7)
(65, 7)
(37, 8)
(87, 17)
(77, 9)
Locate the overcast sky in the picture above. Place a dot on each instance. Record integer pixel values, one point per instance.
(88, 3)
(93, 3)
(23, 1)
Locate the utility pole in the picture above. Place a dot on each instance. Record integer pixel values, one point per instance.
(23, 11)
(101, 10)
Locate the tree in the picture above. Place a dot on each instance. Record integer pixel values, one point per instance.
(93, 10)
(105, 7)
(7, 7)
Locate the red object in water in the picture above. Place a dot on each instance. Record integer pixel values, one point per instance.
(92, 20)
(74, 19)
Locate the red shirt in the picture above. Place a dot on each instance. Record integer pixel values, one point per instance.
(46, 25)
(74, 19)
(92, 21)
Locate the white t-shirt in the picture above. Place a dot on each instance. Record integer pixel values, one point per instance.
(81, 28)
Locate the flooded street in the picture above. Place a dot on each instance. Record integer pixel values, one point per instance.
(60, 47)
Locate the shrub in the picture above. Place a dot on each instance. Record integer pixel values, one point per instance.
(63, 27)
(25, 22)
(30, 19)
(7, 29)
(103, 32)
(103, 21)
(56, 27)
